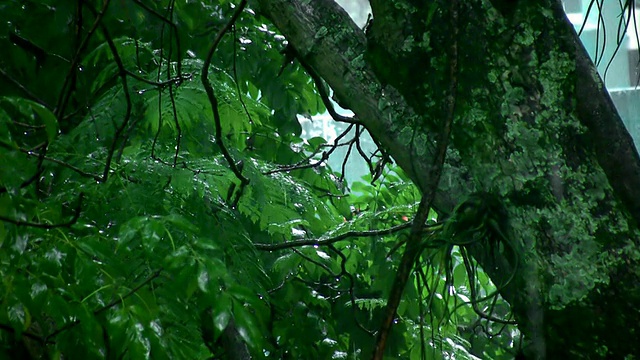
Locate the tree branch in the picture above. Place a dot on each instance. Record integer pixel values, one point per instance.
(412, 249)
(333, 46)
(212, 96)
(71, 221)
(329, 241)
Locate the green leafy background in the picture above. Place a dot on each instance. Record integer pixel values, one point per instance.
(156, 256)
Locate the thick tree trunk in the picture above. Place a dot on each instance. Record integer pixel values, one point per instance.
(534, 127)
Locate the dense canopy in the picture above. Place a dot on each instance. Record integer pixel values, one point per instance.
(160, 199)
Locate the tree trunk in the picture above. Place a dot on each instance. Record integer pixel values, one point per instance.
(534, 126)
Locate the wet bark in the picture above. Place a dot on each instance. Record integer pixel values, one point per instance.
(534, 126)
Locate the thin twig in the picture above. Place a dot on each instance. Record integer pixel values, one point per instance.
(160, 84)
(27, 92)
(174, 28)
(125, 88)
(412, 250)
(63, 163)
(304, 164)
(235, 76)
(352, 282)
(118, 301)
(320, 86)
(329, 241)
(212, 97)
(72, 221)
(66, 89)
(28, 334)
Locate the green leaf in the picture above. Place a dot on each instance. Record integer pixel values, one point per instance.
(222, 312)
(180, 258)
(139, 347)
(92, 338)
(315, 142)
(181, 223)
(186, 280)
(215, 270)
(19, 317)
(15, 168)
(152, 235)
(203, 278)
(155, 334)
(32, 113)
(249, 329)
(3, 234)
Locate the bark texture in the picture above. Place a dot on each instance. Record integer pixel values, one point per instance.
(534, 127)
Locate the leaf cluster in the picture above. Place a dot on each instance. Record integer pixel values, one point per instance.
(124, 231)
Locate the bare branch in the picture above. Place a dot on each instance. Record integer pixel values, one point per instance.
(212, 97)
(329, 241)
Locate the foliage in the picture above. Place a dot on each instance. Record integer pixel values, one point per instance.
(125, 232)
